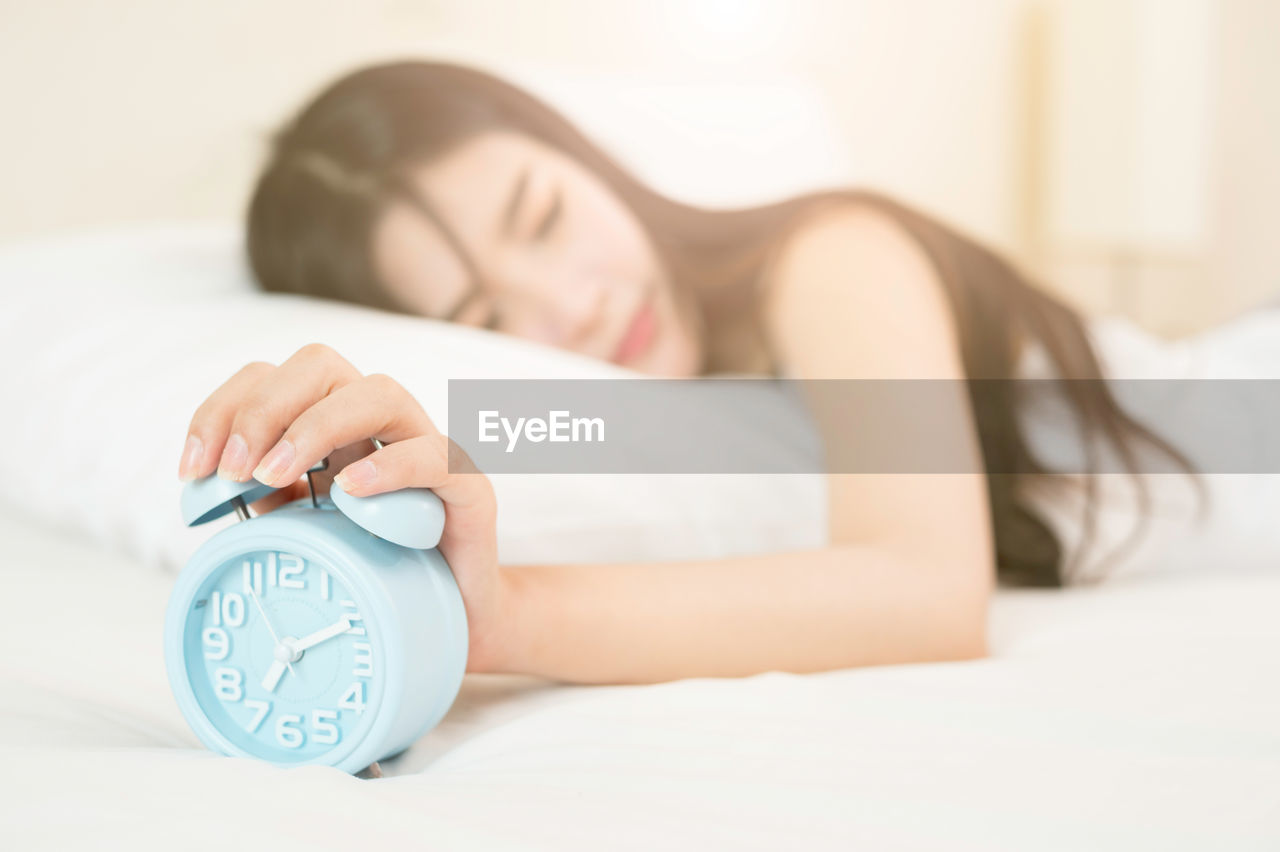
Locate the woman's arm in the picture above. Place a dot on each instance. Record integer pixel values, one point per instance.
(910, 566)
(841, 606)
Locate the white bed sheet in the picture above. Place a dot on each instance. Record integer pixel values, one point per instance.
(1137, 715)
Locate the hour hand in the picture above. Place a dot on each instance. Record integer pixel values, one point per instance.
(273, 675)
(339, 627)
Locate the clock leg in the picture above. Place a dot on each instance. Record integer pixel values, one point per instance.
(323, 464)
(373, 770)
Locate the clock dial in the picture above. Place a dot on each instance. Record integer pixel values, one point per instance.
(280, 658)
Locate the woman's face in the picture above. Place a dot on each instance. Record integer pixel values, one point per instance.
(540, 248)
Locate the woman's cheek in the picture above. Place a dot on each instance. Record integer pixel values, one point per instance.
(617, 238)
(676, 351)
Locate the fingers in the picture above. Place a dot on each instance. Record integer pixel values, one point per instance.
(207, 433)
(421, 462)
(311, 373)
(277, 422)
(373, 406)
(274, 423)
(246, 416)
(471, 508)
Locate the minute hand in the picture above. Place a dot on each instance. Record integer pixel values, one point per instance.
(321, 635)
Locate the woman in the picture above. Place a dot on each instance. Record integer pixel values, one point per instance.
(439, 190)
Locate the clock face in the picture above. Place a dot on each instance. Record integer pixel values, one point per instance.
(280, 659)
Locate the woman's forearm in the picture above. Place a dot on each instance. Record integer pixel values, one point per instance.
(799, 612)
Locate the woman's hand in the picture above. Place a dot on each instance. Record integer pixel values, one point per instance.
(276, 422)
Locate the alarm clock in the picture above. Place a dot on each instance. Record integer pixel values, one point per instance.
(327, 631)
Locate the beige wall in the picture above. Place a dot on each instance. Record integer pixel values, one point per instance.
(151, 108)
(1246, 202)
(154, 109)
(1175, 222)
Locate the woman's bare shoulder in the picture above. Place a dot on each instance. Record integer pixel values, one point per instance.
(845, 232)
(852, 288)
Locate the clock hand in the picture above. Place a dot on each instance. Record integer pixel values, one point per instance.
(292, 649)
(323, 634)
(285, 654)
(274, 636)
(273, 675)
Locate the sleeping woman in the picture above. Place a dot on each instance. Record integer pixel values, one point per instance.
(441, 191)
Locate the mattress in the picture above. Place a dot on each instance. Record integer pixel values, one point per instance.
(1135, 714)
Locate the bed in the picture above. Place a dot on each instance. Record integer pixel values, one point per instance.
(1133, 715)
(1141, 712)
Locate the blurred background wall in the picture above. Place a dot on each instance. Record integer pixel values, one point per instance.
(1121, 149)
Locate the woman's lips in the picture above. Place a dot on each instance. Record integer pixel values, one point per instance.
(639, 334)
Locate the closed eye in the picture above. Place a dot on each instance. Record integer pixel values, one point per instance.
(549, 219)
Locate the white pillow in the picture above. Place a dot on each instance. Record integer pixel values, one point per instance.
(112, 338)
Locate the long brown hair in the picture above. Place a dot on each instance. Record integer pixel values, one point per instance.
(347, 154)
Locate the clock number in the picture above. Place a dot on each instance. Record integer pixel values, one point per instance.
(227, 608)
(260, 710)
(252, 572)
(353, 698)
(283, 572)
(216, 643)
(363, 659)
(231, 609)
(288, 732)
(324, 585)
(229, 683)
(352, 617)
(290, 567)
(322, 728)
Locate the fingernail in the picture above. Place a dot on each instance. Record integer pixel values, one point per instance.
(235, 455)
(358, 475)
(275, 462)
(192, 452)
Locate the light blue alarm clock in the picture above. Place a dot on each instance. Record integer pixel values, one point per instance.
(327, 631)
